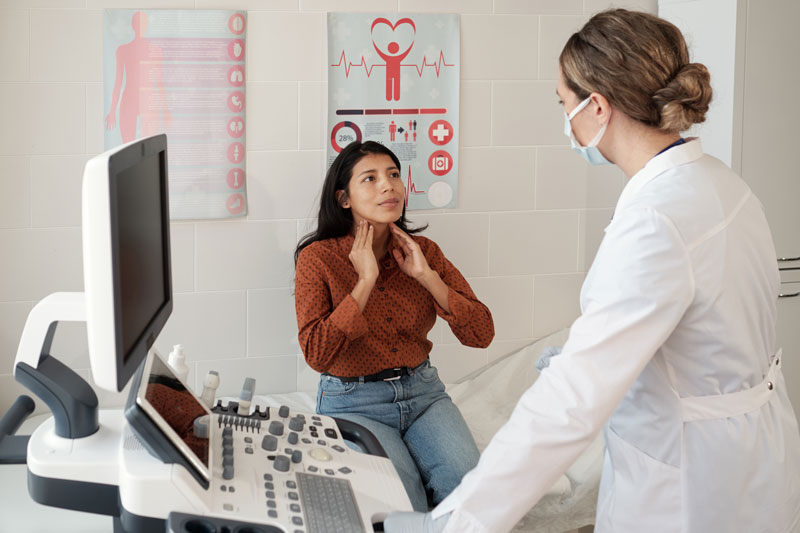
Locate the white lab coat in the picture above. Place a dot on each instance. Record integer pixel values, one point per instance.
(675, 354)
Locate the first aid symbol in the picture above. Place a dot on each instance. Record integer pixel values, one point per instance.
(440, 132)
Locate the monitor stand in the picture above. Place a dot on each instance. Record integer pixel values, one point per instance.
(69, 397)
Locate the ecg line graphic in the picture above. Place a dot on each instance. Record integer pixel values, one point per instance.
(348, 65)
(411, 188)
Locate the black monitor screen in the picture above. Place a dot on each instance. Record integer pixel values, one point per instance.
(142, 242)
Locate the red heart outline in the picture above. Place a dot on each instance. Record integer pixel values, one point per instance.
(405, 20)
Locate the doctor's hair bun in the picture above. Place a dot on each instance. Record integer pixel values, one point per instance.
(641, 64)
(684, 101)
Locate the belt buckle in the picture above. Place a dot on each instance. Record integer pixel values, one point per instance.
(398, 376)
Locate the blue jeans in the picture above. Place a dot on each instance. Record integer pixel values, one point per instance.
(417, 423)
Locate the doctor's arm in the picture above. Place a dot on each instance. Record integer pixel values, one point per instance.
(322, 329)
(637, 292)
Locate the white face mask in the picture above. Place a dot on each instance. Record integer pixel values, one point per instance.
(589, 152)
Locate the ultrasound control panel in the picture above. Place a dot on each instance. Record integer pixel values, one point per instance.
(295, 470)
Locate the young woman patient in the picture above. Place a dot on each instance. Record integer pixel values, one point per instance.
(367, 294)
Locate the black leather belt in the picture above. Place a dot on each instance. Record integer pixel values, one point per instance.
(390, 374)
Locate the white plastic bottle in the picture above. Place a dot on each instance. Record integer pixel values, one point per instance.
(178, 362)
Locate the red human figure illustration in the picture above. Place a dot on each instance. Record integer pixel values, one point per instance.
(392, 57)
(392, 130)
(136, 60)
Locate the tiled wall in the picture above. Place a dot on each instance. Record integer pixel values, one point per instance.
(530, 214)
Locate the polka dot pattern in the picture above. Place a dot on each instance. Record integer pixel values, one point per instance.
(392, 330)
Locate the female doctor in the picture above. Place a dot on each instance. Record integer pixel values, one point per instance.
(674, 353)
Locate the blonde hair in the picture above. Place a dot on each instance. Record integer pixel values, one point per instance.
(640, 63)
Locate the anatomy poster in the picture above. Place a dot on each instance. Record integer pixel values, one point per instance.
(394, 78)
(181, 73)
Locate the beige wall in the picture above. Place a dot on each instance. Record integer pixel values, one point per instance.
(530, 213)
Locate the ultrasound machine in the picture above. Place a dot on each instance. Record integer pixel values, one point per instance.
(170, 461)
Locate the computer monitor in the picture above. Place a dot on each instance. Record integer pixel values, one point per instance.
(126, 257)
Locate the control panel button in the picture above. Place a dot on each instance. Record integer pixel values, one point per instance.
(293, 496)
(295, 508)
(345, 470)
(248, 440)
(331, 433)
(338, 448)
(281, 463)
(291, 485)
(227, 506)
(269, 485)
(272, 513)
(227, 472)
(269, 443)
(297, 456)
(296, 424)
(313, 468)
(283, 411)
(292, 438)
(268, 477)
(276, 428)
(329, 471)
(320, 455)
(270, 494)
(272, 504)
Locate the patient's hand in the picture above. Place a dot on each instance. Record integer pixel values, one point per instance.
(361, 255)
(411, 260)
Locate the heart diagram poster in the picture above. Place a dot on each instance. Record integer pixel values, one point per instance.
(181, 72)
(394, 79)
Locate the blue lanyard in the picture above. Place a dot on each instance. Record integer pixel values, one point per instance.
(676, 143)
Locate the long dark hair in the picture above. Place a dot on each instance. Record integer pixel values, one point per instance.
(334, 220)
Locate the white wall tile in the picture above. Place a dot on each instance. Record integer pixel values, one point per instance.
(210, 325)
(499, 47)
(561, 181)
(36, 262)
(539, 7)
(556, 302)
(71, 345)
(555, 32)
(42, 118)
(15, 203)
(14, 45)
(527, 113)
(533, 243)
(56, 190)
(604, 185)
(271, 116)
(312, 115)
(244, 255)
(307, 377)
(12, 320)
(271, 322)
(510, 299)
(455, 361)
(444, 6)
(286, 46)
(140, 4)
(81, 36)
(475, 128)
(496, 179)
(273, 375)
(249, 5)
(590, 7)
(284, 184)
(95, 124)
(60, 4)
(593, 225)
(367, 6)
(181, 241)
(464, 239)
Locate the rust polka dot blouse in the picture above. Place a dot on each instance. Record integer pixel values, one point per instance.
(392, 330)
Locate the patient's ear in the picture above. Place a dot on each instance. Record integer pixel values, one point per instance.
(341, 197)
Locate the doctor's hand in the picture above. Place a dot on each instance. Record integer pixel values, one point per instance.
(411, 259)
(414, 523)
(361, 255)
